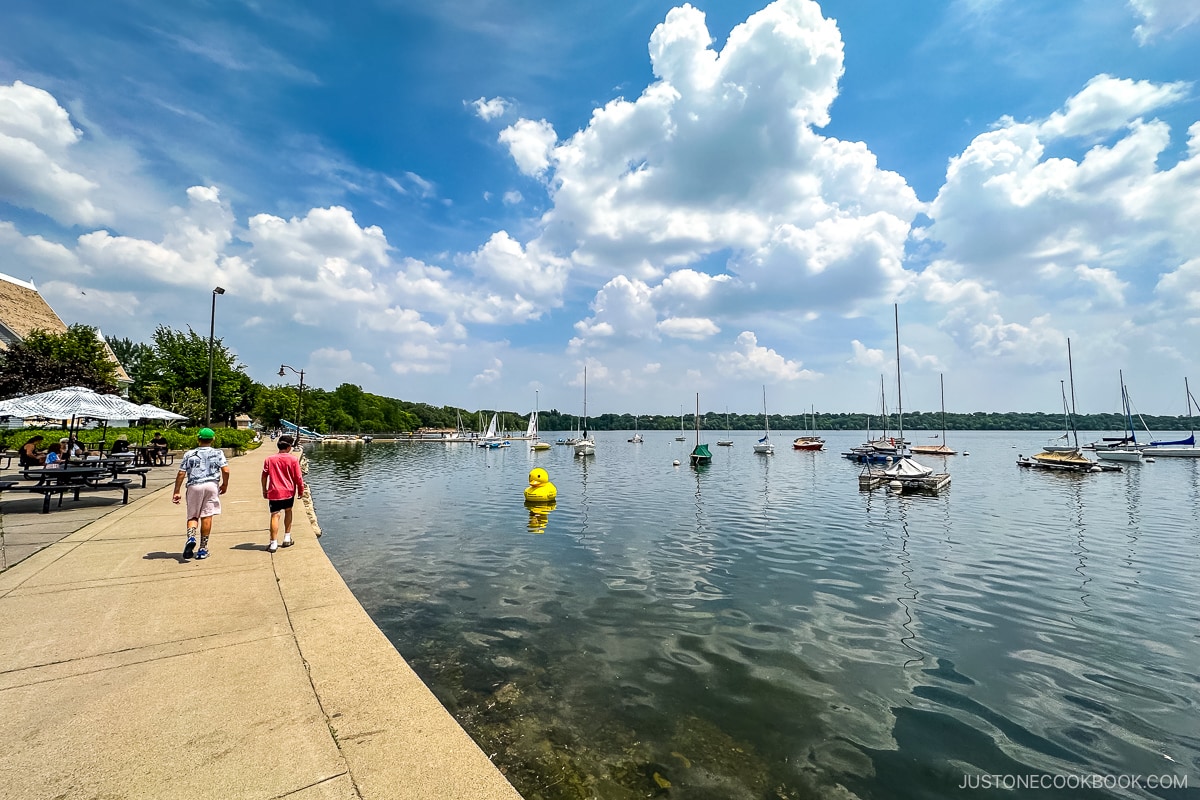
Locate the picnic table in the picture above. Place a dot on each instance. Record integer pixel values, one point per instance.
(76, 478)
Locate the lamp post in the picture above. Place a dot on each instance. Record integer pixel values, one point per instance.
(212, 326)
(299, 395)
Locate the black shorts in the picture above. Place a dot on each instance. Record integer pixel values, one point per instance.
(281, 505)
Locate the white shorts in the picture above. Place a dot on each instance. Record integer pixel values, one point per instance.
(203, 500)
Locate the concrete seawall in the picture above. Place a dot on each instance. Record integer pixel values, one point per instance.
(126, 672)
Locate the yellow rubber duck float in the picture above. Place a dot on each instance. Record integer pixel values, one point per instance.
(540, 490)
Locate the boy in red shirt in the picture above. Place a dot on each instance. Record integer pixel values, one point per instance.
(282, 483)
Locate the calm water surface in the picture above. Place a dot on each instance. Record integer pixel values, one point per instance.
(763, 629)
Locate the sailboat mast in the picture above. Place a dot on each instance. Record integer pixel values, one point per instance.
(942, 384)
(696, 422)
(1188, 392)
(1071, 374)
(899, 391)
(766, 419)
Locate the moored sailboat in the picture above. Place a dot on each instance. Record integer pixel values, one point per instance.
(700, 454)
(810, 441)
(1126, 448)
(938, 449)
(726, 442)
(532, 432)
(586, 446)
(1182, 448)
(763, 446)
(637, 433)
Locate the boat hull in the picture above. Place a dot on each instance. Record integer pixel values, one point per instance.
(1185, 451)
(1119, 455)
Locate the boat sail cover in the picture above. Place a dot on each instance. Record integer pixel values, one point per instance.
(1190, 440)
(701, 451)
(907, 468)
(1069, 457)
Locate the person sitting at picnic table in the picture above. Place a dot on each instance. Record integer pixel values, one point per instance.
(30, 457)
(121, 445)
(159, 445)
(54, 455)
(71, 449)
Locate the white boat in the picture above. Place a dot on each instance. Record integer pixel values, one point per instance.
(586, 446)
(531, 432)
(937, 449)
(637, 434)
(763, 446)
(680, 438)
(901, 468)
(905, 467)
(1127, 450)
(491, 436)
(727, 442)
(1183, 448)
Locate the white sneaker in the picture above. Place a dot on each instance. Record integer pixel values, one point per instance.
(273, 546)
(287, 540)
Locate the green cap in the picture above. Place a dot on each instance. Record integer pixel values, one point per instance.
(206, 433)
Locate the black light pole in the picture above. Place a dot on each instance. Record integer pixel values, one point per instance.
(299, 395)
(212, 327)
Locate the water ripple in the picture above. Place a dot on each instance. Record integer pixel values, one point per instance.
(763, 629)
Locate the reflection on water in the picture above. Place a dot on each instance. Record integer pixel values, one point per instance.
(761, 629)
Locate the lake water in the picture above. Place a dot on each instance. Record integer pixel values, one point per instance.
(763, 629)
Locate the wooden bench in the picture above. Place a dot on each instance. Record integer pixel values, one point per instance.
(49, 491)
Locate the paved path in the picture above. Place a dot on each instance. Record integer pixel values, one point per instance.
(128, 673)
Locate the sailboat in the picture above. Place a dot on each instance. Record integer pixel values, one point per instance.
(1068, 458)
(1125, 448)
(726, 442)
(810, 441)
(680, 438)
(637, 433)
(881, 450)
(1183, 448)
(490, 437)
(586, 446)
(905, 472)
(763, 446)
(938, 449)
(700, 454)
(532, 431)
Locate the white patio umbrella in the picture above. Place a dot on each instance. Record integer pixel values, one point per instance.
(71, 403)
(151, 411)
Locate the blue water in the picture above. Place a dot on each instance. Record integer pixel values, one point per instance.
(763, 629)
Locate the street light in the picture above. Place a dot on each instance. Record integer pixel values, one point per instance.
(212, 326)
(299, 395)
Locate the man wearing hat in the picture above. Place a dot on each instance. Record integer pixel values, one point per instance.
(207, 475)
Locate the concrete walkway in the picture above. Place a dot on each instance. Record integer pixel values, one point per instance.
(128, 673)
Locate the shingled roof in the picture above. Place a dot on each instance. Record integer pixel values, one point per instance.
(23, 310)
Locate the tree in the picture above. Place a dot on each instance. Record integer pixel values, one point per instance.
(43, 361)
(138, 360)
(180, 361)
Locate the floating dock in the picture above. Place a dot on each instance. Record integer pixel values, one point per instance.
(872, 478)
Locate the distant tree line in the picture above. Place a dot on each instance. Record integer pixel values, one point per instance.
(171, 371)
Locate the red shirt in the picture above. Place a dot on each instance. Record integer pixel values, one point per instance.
(283, 476)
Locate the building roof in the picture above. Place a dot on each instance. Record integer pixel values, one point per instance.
(23, 310)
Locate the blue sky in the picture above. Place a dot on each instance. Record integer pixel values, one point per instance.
(466, 202)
